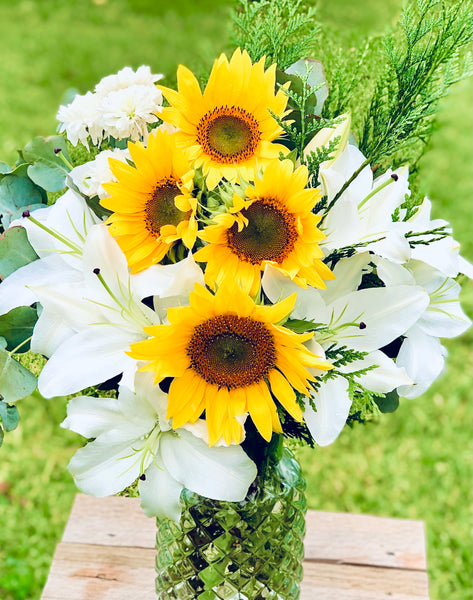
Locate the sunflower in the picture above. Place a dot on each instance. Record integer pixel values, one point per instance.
(151, 202)
(274, 225)
(228, 357)
(228, 129)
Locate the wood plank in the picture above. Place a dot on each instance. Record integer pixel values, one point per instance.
(326, 581)
(90, 572)
(347, 538)
(365, 540)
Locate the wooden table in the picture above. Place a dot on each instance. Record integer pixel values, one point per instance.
(107, 553)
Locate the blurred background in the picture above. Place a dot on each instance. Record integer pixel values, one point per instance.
(415, 463)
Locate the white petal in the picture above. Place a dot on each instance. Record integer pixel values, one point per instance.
(88, 358)
(348, 273)
(102, 469)
(168, 280)
(70, 217)
(333, 407)
(393, 246)
(102, 252)
(221, 473)
(136, 405)
(49, 333)
(340, 172)
(16, 290)
(423, 357)
(70, 302)
(342, 226)
(384, 377)
(386, 312)
(160, 493)
(391, 273)
(443, 255)
(309, 303)
(91, 416)
(465, 267)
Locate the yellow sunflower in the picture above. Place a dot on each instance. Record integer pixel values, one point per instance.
(152, 201)
(228, 357)
(273, 225)
(228, 129)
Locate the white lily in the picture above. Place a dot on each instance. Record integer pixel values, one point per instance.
(421, 352)
(105, 313)
(364, 320)
(58, 239)
(442, 254)
(325, 136)
(362, 213)
(134, 439)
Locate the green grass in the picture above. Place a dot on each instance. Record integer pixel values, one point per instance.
(415, 463)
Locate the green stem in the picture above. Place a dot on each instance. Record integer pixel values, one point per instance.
(20, 345)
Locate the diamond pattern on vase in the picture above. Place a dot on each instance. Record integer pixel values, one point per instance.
(251, 550)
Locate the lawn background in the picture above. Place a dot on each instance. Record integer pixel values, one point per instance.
(416, 463)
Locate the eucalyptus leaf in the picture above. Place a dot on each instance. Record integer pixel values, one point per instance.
(17, 326)
(389, 403)
(47, 169)
(16, 382)
(314, 71)
(15, 251)
(9, 416)
(4, 167)
(17, 193)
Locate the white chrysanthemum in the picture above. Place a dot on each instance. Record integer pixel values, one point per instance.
(126, 113)
(89, 177)
(126, 78)
(81, 119)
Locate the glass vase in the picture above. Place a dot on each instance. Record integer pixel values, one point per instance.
(249, 550)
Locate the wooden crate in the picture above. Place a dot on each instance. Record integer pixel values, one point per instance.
(107, 553)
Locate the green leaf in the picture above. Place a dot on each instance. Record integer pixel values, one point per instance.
(4, 167)
(16, 382)
(389, 403)
(15, 251)
(47, 169)
(17, 193)
(9, 416)
(300, 325)
(1, 435)
(17, 326)
(314, 71)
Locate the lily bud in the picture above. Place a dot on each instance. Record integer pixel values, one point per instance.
(324, 136)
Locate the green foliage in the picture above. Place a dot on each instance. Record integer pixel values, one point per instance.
(283, 31)
(17, 194)
(16, 381)
(15, 251)
(16, 327)
(388, 403)
(46, 166)
(423, 61)
(315, 158)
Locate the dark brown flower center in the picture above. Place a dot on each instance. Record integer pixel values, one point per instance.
(270, 234)
(228, 134)
(161, 209)
(231, 351)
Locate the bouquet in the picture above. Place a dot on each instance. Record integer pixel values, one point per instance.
(218, 270)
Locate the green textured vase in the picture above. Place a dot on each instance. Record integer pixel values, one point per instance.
(250, 550)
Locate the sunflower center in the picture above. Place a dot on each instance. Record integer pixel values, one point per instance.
(270, 234)
(231, 351)
(160, 208)
(228, 134)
